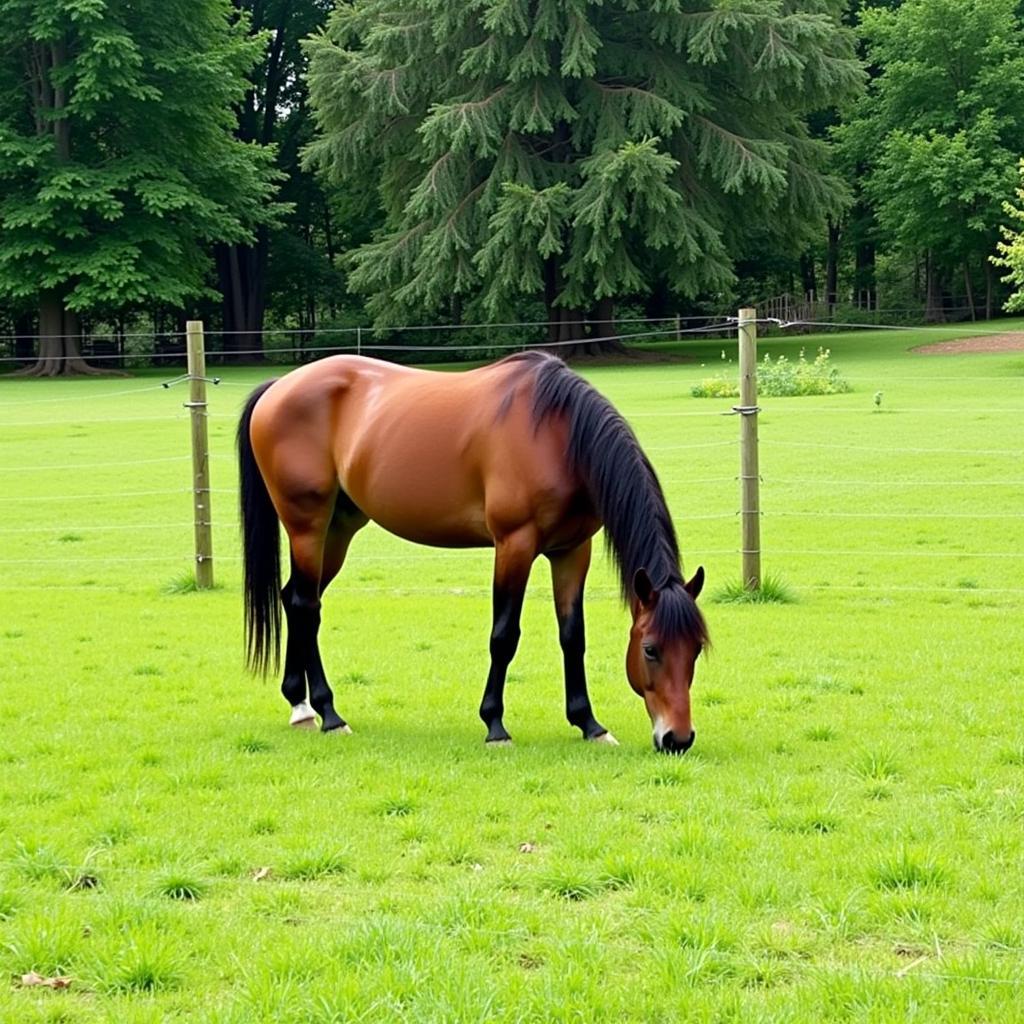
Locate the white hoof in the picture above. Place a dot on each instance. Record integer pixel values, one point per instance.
(498, 743)
(342, 730)
(606, 737)
(303, 717)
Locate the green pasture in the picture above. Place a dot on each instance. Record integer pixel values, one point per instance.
(845, 842)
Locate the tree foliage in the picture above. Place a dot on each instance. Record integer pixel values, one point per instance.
(941, 128)
(1011, 250)
(118, 165)
(573, 150)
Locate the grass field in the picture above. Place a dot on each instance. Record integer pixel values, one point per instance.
(845, 842)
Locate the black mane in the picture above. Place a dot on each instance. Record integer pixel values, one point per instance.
(624, 488)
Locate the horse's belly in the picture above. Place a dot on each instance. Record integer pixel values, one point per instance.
(438, 527)
(424, 499)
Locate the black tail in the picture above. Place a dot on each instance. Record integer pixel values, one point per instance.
(261, 550)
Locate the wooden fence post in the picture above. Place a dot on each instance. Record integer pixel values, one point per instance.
(750, 508)
(196, 406)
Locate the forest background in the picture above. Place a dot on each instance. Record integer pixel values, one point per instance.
(298, 165)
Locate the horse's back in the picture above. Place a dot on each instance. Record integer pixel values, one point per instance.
(442, 458)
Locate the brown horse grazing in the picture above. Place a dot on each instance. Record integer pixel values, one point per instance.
(523, 455)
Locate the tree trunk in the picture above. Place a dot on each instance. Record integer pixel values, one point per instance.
(550, 294)
(243, 271)
(988, 290)
(809, 276)
(24, 337)
(329, 247)
(864, 276)
(970, 290)
(569, 329)
(933, 312)
(580, 335)
(658, 303)
(832, 268)
(59, 329)
(603, 327)
(59, 333)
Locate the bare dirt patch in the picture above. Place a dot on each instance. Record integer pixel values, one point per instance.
(1010, 342)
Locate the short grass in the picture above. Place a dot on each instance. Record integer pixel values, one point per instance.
(843, 843)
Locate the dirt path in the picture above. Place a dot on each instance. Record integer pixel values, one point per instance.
(1012, 342)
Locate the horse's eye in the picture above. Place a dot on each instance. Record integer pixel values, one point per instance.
(650, 652)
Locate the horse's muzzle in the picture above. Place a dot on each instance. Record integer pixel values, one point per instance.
(673, 744)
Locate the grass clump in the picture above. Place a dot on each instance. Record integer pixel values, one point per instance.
(251, 744)
(905, 870)
(313, 866)
(1012, 756)
(773, 590)
(572, 883)
(44, 941)
(144, 961)
(10, 903)
(184, 583)
(820, 734)
(780, 378)
(877, 766)
(179, 885)
(396, 807)
(37, 863)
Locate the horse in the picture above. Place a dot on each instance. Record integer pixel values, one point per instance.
(521, 455)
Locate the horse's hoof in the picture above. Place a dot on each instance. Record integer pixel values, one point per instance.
(605, 737)
(303, 717)
(342, 730)
(498, 743)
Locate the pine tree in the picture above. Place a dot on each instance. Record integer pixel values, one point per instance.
(118, 167)
(578, 151)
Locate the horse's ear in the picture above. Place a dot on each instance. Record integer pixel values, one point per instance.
(644, 589)
(696, 583)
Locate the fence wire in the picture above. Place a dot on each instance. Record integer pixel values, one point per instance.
(774, 511)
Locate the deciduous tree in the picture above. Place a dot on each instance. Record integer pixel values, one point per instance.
(118, 163)
(940, 131)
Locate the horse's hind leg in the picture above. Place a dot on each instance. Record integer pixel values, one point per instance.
(293, 686)
(316, 556)
(301, 599)
(568, 574)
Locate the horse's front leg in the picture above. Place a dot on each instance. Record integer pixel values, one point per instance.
(568, 574)
(513, 556)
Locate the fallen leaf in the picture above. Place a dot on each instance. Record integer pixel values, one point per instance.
(262, 873)
(32, 979)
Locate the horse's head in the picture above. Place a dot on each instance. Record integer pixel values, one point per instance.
(667, 635)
